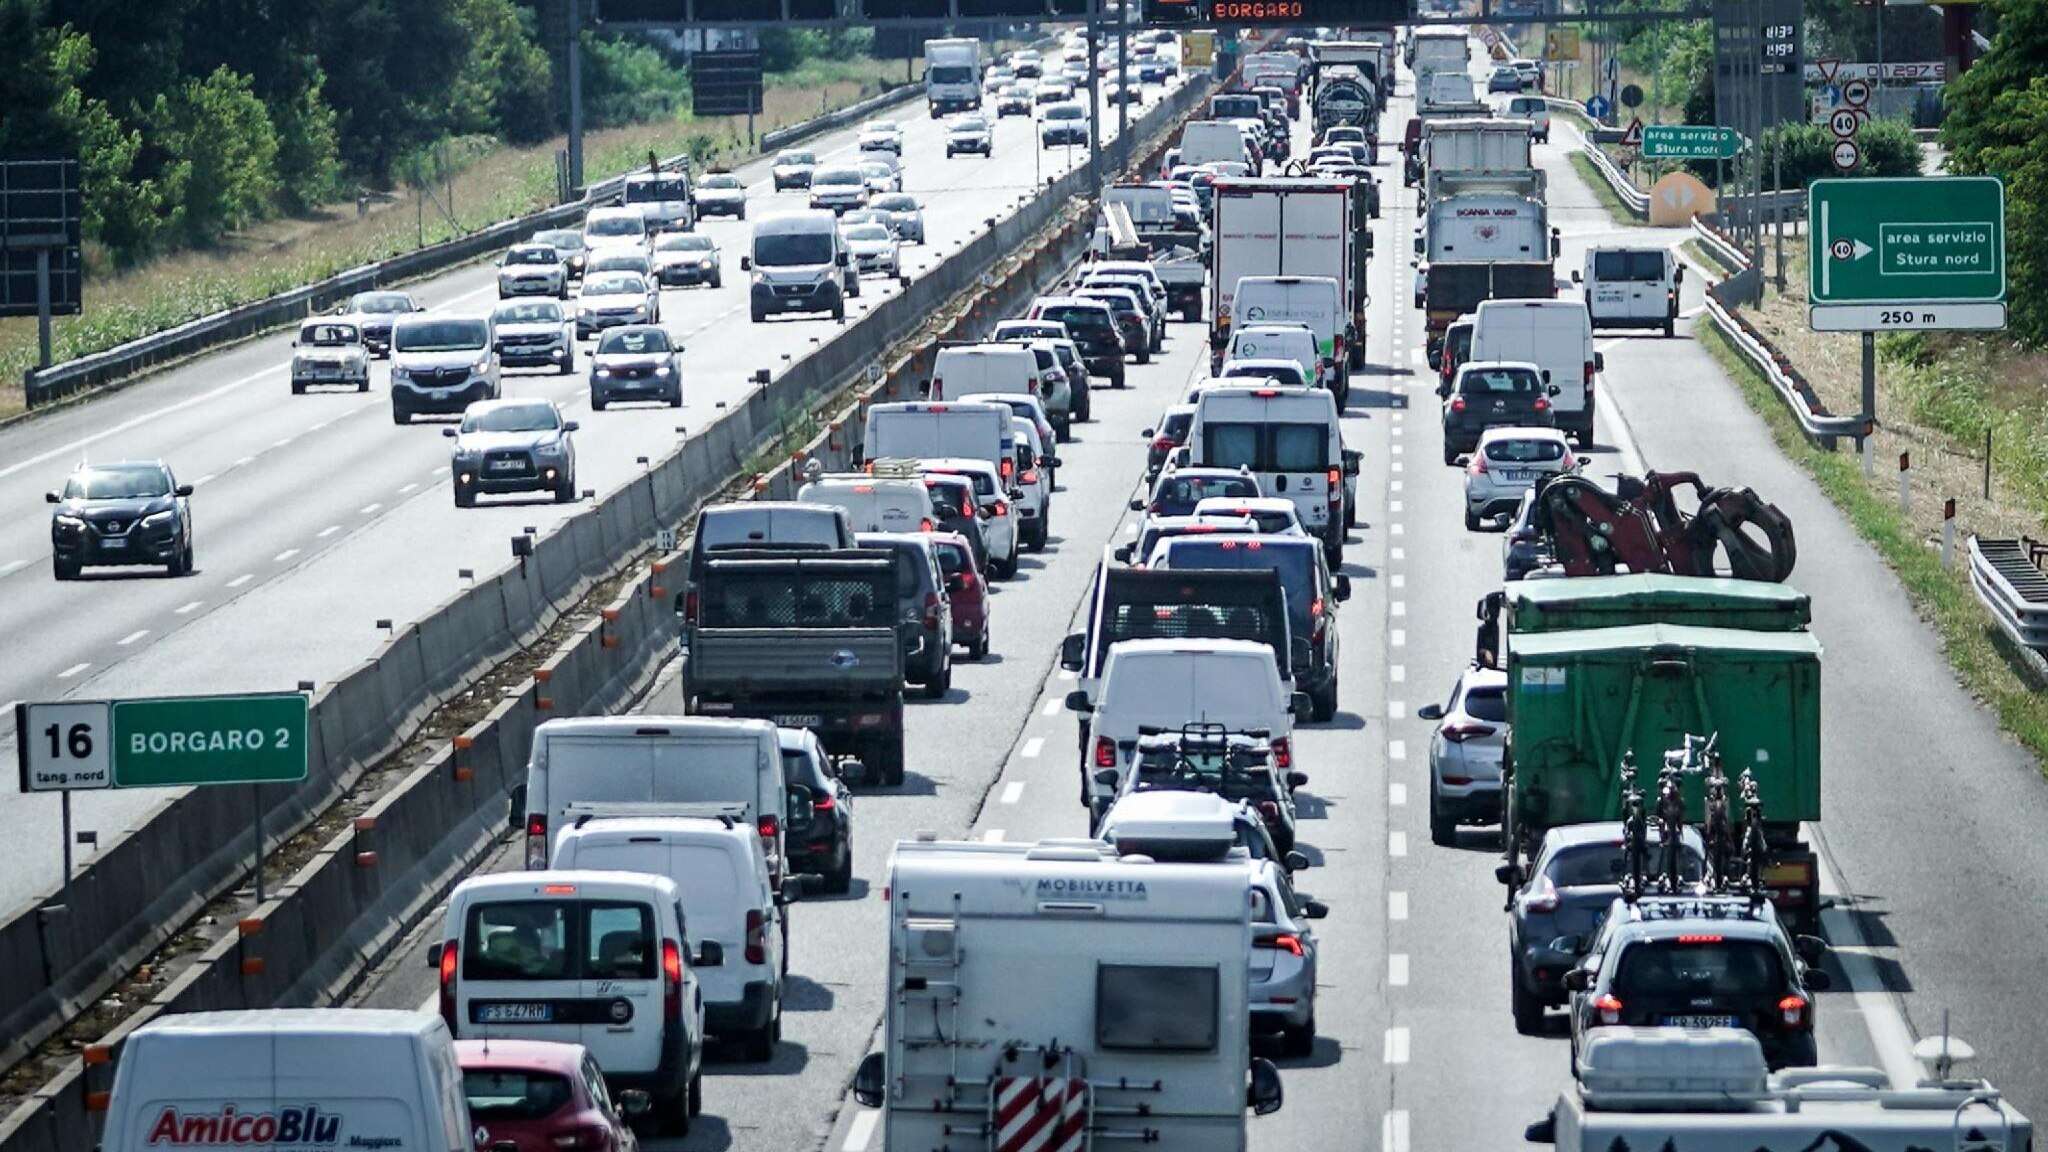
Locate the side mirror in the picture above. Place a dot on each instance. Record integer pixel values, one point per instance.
(635, 1103)
(1578, 980)
(870, 1083)
(1817, 980)
(1599, 361)
(449, 433)
(434, 954)
(1508, 874)
(1077, 701)
(1137, 505)
(710, 954)
(840, 259)
(1430, 712)
(518, 818)
(1297, 779)
(1343, 587)
(1570, 945)
(1553, 389)
(570, 426)
(1542, 1131)
(1148, 433)
(1049, 461)
(794, 888)
(1811, 949)
(52, 498)
(1678, 274)
(746, 263)
(1264, 1096)
(1577, 278)
(1353, 460)
(1123, 553)
(1108, 778)
(1295, 861)
(1302, 707)
(957, 582)
(1073, 650)
(183, 490)
(1314, 909)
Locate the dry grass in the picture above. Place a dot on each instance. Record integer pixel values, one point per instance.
(499, 183)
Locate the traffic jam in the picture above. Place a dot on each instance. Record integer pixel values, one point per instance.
(1148, 503)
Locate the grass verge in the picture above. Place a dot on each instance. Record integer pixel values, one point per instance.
(1974, 645)
(1609, 198)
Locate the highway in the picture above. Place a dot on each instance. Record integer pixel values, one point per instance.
(316, 516)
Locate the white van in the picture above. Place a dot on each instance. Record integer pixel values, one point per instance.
(718, 868)
(873, 503)
(1557, 337)
(1317, 301)
(927, 431)
(592, 958)
(297, 1078)
(800, 263)
(666, 200)
(609, 230)
(1289, 439)
(964, 368)
(1168, 683)
(1209, 141)
(1284, 340)
(1631, 287)
(725, 764)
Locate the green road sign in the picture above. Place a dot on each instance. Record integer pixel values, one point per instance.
(173, 743)
(1690, 142)
(1906, 253)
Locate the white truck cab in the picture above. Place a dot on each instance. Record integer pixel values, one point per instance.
(665, 199)
(1631, 287)
(1105, 998)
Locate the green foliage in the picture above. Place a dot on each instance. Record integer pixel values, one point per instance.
(1997, 125)
(223, 174)
(308, 143)
(507, 83)
(626, 81)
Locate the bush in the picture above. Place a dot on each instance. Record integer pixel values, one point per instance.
(222, 171)
(626, 81)
(1997, 125)
(507, 84)
(1889, 149)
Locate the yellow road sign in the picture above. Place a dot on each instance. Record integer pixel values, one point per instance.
(1561, 44)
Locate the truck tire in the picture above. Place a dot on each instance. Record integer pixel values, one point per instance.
(888, 760)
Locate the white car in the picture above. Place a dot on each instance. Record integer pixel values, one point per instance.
(1507, 463)
(906, 215)
(533, 270)
(993, 499)
(839, 188)
(535, 334)
(874, 249)
(969, 134)
(687, 258)
(881, 136)
(1279, 370)
(609, 299)
(721, 194)
(1273, 515)
(1465, 753)
(882, 173)
(329, 350)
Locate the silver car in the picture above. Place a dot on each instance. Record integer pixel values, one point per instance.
(839, 188)
(882, 171)
(535, 334)
(792, 169)
(568, 242)
(687, 258)
(1509, 462)
(969, 134)
(512, 446)
(330, 351)
(609, 299)
(721, 194)
(375, 312)
(1465, 753)
(874, 249)
(1283, 962)
(636, 362)
(905, 215)
(533, 270)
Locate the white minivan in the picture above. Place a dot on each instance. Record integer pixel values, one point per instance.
(592, 958)
(587, 763)
(873, 503)
(799, 262)
(1557, 337)
(1317, 301)
(722, 876)
(964, 368)
(1631, 287)
(1289, 439)
(1167, 683)
(298, 1078)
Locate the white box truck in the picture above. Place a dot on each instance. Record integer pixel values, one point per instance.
(952, 75)
(1052, 988)
(1288, 227)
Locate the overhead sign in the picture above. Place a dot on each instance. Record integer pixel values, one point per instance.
(1909, 253)
(1280, 13)
(1561, 44)
(62, 747)
(42, 210)
(180, 742)
(726, 82)
(1690, 142)
(1895, 71)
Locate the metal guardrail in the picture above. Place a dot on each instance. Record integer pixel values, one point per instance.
(1805, 407)
(1634, 199)
(288, 307)
(1730, 255)
(2006, 575)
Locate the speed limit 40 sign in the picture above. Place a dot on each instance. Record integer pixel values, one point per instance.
(64, 747)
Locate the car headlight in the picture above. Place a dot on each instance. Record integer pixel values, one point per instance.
(159, 519)
(603, 371)
(662, 371)
(399, 373)
(483, 364)
(72, 522)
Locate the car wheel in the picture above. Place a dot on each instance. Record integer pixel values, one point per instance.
(298, 389)
(757, 316)
(1117, 381)
(1527, 1010)
(1669, 326)
(185, 560)
(979, 649)
(1145, 354)
(717, 280)
(839, 881)
(695, 1103)
(742, 215)
(400, 415)
(1471, 521)
(839, 311)
(675, 1114)
(760, 1043)
(597, 402)
(1300, 1042)
(565, 491)
(1443, 831)
(675, 398)
(61, 570)
(853, 289)
(1324, 704)
(936, 687)
(363, 385)
(464, 498)
(1450, 455)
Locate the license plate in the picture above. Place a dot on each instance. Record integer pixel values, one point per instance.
(114, 544)
(1699, 1021)
(803, 720)
(1517, 476)
(505, 465)
(514, 1013)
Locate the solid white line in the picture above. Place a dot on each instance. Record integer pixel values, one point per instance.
(1397, 795)
(1033, 747)
(1397, 638)
(1394, 1130)
(1397, 970)
(1397, 749)
(244, 578)
(1397, 844)
(136, 422)
(369, 508)
(993, 836)
(1396, 673)
(188, 606)
(1889, 1033)
(330, 530)
(861, 1130)
(285, 555)
(132, 637)
(1012, 790)
(1395, 1050)
(1052, 707)
(74, 670)
(1397, 905)
(12, 566)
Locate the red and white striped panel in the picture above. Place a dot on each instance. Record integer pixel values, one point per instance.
(1034, 1115)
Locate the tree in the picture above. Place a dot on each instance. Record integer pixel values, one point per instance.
(222, 172)
(1997, 125)
(506, 86)
(391, 67)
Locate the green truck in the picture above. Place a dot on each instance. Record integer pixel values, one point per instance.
(1602, 666)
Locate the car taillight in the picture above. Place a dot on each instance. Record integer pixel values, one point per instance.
(823, 803)
(1008, 467)
(757, 936)
(1282, 943)
(924, 525)
(1570, 461)
(938, 389)
(690, 604)
(769, 827)
(1792, 1012)
(1105, 752)
(1315, 611)
(536, 841)
(1030, 476)
(1609, 1008)
(1457, 403)
(1478, 465)
(1002, 509)
(1163, 444)
(1589, 373)
(1337, 345)
(671, 979)
(449, 955)
(1283, 752)
(1031, 385)
(1269, 809)
(1542, 405)
(581, 1136)
(1459, 733)
(1541, 899)
(931, 610)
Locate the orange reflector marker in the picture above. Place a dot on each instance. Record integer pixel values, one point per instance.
(465, 743)
(544, 703)
(366, 859)
(252, 926)
(543, 675)
(464, 775)
(365, 823)
(608, 641)
(97, 1101)
(658, 567)
(610, 615)
(252, 966)
(97, 1054)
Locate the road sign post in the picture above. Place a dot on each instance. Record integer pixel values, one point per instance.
(1690, 142)
(62, 748)
(1906, 254)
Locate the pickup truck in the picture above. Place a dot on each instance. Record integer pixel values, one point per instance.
(807, 640)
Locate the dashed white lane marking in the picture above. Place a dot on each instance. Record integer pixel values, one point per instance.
(1397, 970)
(1396, 709)
(1397, 449)
(1066, 673)
(132, 637)
(404, 488)
(188, 606)
(244, 578)
(1394, 486)
(1033, 747)
(1398, 638)
(330, 530)
(243, 460)
(12, 566)
(1395, 467)
(283, 443)
(1397, 905)
(1394, 506)
(1398, 554)
(203, 480)
(1397, 749)
(1012, 790)
(861, 1130)
(1397, 795)
(441, 471)
(1397, 580)
(993, 836)
(285, 555)
(135, 422)
(1396, 673)
(1052, 707)
(1397, 844)
(369, 508)
(1397, 608)
(1396, 1049)
(1394, 1129)
(74, 670)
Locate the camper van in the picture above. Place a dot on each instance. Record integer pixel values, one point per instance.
(1106, 997)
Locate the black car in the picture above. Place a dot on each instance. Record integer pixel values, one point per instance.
(1494, 395)
(1094, 328)
(824, 843)
(924, 614)
(129, 513)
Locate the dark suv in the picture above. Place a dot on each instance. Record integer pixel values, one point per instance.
(1701, 962)
(823, 844)
(1494, 395)
(129, 513)
(1093, 326)
(924, 615)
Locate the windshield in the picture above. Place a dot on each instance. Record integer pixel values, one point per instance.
(440, 336)
(685, 242)
(381, 302)
(837, 176)
(529, 312)
(616, 226)
(1234, 107)
(895, 203)
(532, 256)
(950, 74)
(1178, 495)
(1074, 316)
(633, 341)
(780, 598)
(1240, 775)
(513, 418)
(785, 249)
(616, 284)
(1117, 301)
(645, 191)
(970, 124)
(720, 180)
(562, 240)
(794, 159)
(877, 168)
(513, 1093)
(868, 232)
(328, 335)
(139, 482)
(1499, 381)
(1063, 112)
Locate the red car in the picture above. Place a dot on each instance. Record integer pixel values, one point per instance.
(539, 1096)
(966, 591)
